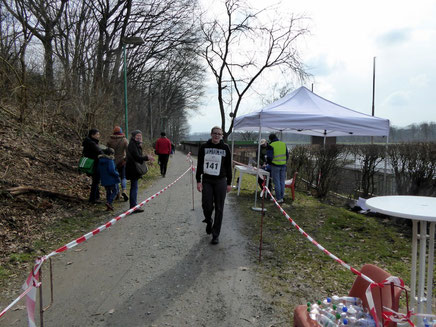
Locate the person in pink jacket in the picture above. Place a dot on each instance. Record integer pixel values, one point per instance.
(163, 150)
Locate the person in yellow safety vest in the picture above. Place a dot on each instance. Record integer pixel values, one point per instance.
(277, 155)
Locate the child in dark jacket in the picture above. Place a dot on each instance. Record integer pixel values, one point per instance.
(109, 176)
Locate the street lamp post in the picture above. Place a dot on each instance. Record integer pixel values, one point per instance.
(134, 40)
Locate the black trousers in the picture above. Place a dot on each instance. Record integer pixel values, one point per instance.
(163, 162)
(213, 197)
(95, 192)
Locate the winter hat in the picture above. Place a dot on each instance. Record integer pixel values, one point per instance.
(135, 132)
(118, 130)
(262, 142)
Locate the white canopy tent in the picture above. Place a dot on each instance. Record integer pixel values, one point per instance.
(304, 112)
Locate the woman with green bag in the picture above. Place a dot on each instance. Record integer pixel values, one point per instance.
(92, 150)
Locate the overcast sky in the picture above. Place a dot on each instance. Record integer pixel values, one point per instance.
(345, 37)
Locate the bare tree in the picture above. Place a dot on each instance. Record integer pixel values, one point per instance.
(241, 47)
(40, 17)
(82, 47)
(14, 39)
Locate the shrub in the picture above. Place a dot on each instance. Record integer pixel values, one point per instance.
(318, 165)
(414, 167)
(370, 156)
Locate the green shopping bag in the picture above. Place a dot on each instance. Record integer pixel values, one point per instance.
(86, 165)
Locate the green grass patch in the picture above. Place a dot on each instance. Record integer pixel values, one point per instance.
(296, 271)
(3, 272)
(20, 257)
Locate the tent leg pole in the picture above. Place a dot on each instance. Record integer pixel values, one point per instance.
(385, 180)
(255, 208)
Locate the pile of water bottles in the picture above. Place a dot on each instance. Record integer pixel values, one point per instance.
(340, 311)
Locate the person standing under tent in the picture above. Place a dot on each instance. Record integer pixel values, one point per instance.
(214, 177)
(163, 150)
(263, 163)
(277, 156)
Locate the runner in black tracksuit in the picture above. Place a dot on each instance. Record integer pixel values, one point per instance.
(214, 177)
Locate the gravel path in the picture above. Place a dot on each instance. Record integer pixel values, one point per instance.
(158, 268)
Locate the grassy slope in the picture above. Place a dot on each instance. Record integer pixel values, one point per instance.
(295, 271)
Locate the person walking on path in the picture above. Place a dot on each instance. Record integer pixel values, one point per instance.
(277, 156)
(119, 143)
(110, 177)
(214, 177)
(163, 150)
(92, 150)
(134, 154)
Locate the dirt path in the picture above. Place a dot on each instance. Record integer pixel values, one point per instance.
(157, 268)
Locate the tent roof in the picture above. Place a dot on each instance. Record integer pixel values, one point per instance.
(304, 112)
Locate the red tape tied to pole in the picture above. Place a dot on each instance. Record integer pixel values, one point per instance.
(368, 293)
(392, 316)
(30, 285)
(32, 282)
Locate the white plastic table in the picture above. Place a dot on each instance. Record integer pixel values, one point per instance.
(249, 170)
(422, 210)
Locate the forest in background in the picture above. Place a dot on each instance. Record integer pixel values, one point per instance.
(63, 61)
(424, 132)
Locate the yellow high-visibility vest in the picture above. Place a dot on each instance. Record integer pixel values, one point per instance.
(279, 157)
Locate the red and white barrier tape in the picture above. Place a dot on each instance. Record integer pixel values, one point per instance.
(372, 284)
(32, 281)
(396, 317)
(189, 158)
(391, 279)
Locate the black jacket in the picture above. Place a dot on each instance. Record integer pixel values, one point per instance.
(134, 153)
(91, 150)
(221, 149)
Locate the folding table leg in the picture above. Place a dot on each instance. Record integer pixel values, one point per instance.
(414, 260)
(430, 268)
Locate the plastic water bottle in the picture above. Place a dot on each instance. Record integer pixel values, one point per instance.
(324, 321)
(332, 316)
(351, 309)
(313, 310)
(362, 322)
(327, 302)
(311, 306)
(347, 300)
(366, 322)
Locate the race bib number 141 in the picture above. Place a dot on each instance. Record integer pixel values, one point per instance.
(212, 164)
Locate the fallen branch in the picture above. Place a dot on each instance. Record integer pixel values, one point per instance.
(6, 171)
(27, 189)
(9, 112)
